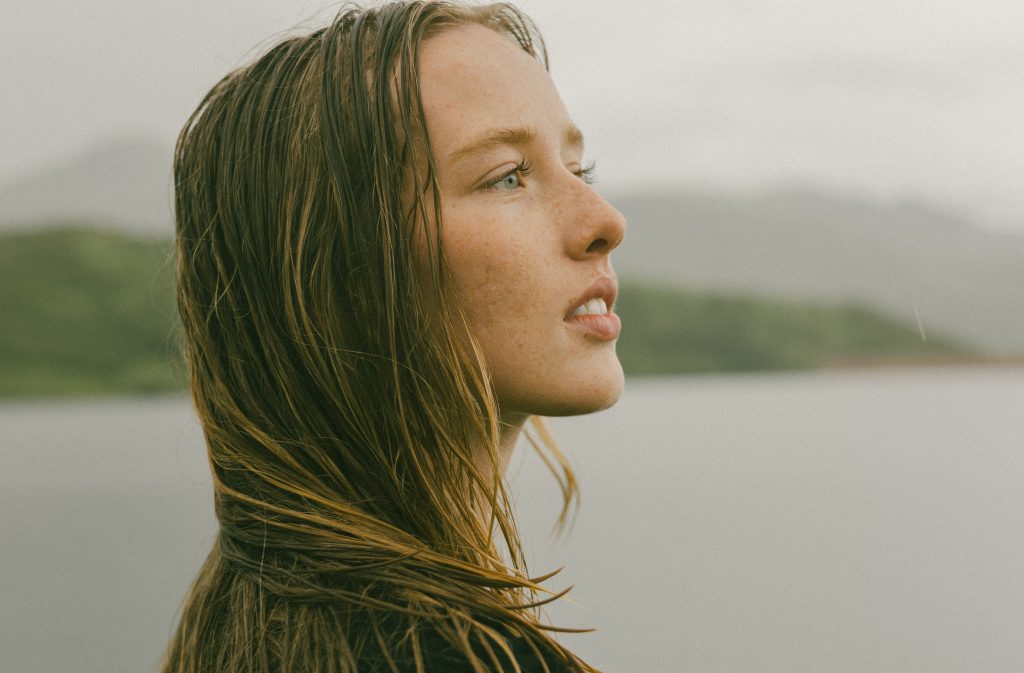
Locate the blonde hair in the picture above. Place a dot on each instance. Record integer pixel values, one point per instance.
(341, 431)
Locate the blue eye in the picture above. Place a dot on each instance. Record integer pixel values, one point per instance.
(509, 182)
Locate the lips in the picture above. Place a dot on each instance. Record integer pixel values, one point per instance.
(604, 288)
(603, 327)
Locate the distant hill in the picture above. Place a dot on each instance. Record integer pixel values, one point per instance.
(90, 312)
(85, 312)
(124, 183)
(668, 330)
(907, 261)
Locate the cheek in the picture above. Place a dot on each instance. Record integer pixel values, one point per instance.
(498, 286)
(489, 281)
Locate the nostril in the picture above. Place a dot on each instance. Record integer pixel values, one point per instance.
(598, 246)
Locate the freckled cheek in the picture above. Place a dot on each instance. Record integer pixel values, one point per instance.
(500, 293)
(500, 267)
(484, 286)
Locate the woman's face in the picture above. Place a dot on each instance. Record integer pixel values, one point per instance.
(526, 239)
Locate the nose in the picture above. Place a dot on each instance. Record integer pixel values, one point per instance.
(597, 227)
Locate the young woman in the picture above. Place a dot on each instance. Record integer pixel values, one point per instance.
(389, 260)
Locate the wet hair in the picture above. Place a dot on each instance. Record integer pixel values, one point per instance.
(341, 402)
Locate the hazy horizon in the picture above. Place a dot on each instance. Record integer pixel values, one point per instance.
(905, 101)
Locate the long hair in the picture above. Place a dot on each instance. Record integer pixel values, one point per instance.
(341, 403)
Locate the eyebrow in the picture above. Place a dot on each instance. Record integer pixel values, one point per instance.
(519, 135)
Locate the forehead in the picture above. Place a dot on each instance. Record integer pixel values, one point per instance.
(472, 78)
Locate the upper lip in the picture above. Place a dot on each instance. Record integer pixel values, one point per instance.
(604, 287)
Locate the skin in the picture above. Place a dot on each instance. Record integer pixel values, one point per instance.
(520, 251)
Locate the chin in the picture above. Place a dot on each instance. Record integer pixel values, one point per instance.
(585, 397)
(599, 402)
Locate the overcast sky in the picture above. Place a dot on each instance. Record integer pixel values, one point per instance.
(919, 99)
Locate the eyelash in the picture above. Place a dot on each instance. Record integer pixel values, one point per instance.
(586, 174)
(524, 168)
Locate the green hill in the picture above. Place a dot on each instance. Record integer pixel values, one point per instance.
(675, 331)
(88, 311)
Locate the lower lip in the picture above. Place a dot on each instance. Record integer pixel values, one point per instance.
(604, 327)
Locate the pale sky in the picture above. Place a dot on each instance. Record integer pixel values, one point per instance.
(920, 99)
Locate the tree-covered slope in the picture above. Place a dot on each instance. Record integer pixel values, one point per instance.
(676, 331)
(88, 311)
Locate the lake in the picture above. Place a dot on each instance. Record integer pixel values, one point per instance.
(861, 521)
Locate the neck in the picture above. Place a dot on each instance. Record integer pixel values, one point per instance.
(510, 431)
(511, 428)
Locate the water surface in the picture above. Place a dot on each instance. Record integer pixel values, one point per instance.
(853, 521)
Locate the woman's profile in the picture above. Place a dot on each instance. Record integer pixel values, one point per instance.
(389, 262)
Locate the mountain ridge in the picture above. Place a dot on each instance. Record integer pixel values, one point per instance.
(906, 261)
(913, 262)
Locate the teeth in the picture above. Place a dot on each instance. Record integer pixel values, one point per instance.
(592, 307)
